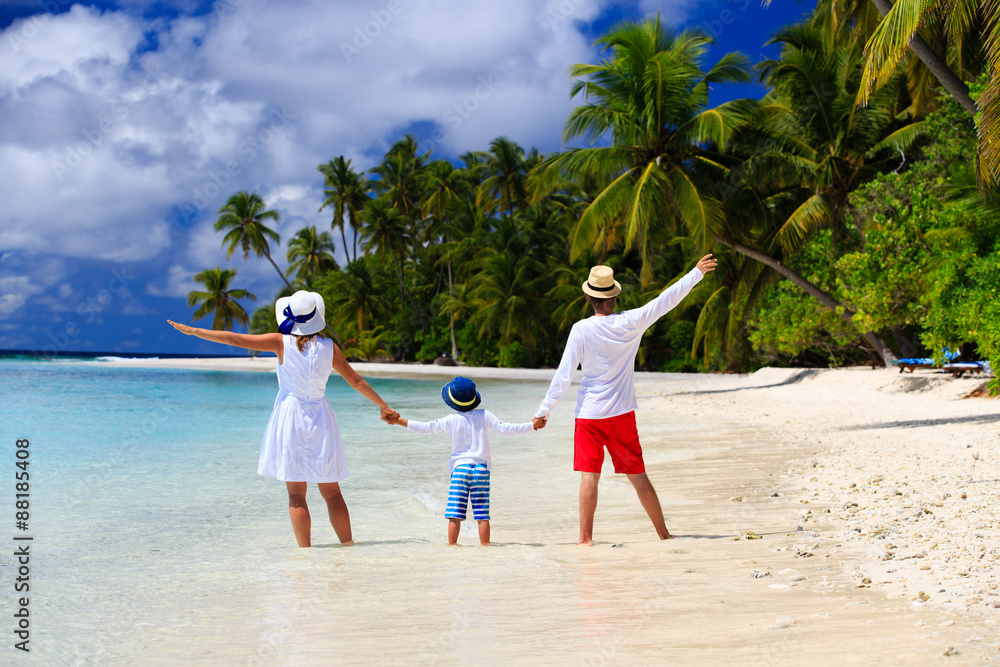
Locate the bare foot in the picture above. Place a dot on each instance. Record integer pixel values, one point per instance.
(585, 543)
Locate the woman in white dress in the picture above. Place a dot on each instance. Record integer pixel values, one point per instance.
(302, 441)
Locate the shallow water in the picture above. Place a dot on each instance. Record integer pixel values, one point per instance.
(156, 542)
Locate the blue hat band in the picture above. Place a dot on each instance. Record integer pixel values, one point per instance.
(291, 319)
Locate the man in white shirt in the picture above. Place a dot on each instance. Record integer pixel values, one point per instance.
(604, 346)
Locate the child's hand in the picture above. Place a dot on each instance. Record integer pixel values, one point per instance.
(539, 422)
(389, 415)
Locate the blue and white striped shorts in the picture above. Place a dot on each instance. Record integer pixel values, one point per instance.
(469, 480)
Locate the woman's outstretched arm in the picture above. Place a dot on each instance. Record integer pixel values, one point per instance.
(270, 342)
(360, 385)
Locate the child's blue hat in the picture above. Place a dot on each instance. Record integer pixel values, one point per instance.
(461, 394)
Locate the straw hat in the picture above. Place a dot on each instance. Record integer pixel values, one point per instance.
(302, 313)
(602, 284)
(461, 394)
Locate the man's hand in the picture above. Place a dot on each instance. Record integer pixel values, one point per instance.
(539, 422)
(706, 264)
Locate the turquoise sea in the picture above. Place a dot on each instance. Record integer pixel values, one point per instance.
(156, 543)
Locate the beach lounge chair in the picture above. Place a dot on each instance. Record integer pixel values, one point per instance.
(923, 362)
(910, 363)
(958, 369)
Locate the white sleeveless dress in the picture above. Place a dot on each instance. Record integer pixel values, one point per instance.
(302, 441)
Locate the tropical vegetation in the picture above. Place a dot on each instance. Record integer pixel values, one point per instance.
(847, 208)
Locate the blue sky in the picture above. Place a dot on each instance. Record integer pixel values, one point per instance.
(127, 124)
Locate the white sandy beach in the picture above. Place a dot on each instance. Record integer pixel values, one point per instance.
(875, 495)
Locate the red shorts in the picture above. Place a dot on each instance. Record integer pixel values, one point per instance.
(618, 434)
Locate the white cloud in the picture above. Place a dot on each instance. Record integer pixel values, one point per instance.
(105, 139)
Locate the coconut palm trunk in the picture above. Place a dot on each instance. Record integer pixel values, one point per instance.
(936, 64)
(267, 253)
(812, 290)
(451, 318)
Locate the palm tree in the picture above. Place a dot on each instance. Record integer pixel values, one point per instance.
(650, 95)
(358, 297)
(399, 176)
(507, 294)
(386, 234)
(444, 190)
(833, 146)
(346, 194)
(968, 34)
(310, 254)
(219, 299)
(505, 186)
(368, 346)
(263, 321)
(244, 215)
(810, 147)
(895, 32)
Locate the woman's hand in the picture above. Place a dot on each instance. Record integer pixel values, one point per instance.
(539, 422)
(183, 328)
(706, 264)
(388, 415)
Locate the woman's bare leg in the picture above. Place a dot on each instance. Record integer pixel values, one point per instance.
(298, 512)
(340, 518)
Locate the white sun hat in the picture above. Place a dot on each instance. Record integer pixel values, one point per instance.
(302, 313)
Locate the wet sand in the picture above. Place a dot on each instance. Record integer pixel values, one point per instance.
(874, 496)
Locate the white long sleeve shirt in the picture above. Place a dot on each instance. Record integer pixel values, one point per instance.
(469, 441)
(605, 348)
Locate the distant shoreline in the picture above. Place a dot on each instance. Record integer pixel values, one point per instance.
(267, 364)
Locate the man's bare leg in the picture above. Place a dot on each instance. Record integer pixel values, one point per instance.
(588, 505)
(650, 503)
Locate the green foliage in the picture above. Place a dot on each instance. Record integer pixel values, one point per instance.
(512, 355)
(789, 324)
(219, 300)
(433, 344)
(874, 206)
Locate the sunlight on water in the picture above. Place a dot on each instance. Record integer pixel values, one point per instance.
(157, 543)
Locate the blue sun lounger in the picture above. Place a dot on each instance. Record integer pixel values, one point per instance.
(958, 369)
(910, 363)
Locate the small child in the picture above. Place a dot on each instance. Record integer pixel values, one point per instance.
(470, 453)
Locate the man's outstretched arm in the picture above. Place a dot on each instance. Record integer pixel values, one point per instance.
(673, 295)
